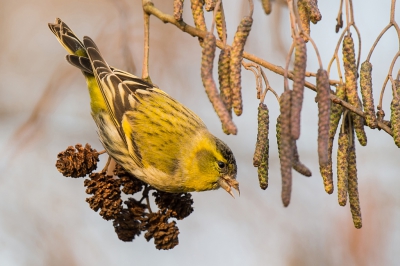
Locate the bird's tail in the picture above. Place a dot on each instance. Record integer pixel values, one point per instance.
(67, 38)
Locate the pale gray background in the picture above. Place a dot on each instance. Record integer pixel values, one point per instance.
(44, 219)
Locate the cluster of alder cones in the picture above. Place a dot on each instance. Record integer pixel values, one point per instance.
(131, 217)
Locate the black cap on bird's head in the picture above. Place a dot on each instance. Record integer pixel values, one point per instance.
(228, 168)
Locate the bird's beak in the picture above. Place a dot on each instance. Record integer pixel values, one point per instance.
(227, 182)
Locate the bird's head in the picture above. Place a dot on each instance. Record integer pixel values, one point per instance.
(213, 166)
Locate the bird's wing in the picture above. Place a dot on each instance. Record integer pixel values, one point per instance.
(120, 96)
(153, 125)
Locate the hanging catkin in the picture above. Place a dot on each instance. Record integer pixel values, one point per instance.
(353, 185)
(262, 134)
(366, 93)
(207, 59)
(224, 77)
(178, 9)
(350, 72)
(299, 72)
(266, 4)
(198, 14)
(261, 154)
(324, 107)
(285, 153)
(239, 41)
(395, 114)
(336, 113)
(342, 162)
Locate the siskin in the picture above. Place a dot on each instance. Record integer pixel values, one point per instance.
(148, 133)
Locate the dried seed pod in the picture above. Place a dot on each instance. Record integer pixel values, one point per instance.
(106, 195)
(395, 120)
(312, 7)
(207, 60)
(342, 162)
(353, 185)
(220, 23)
(178, 9)
(210, 5)
(300, 63)
(179, 203)
(266, 4)
(304, 18)
(126, 226)
(366, 93)
(262, 134)
(336, 113)
(77, 162)
(239, 41)
(286, 150)
(297, 165)
(198, 14)
(350, 72)
(165, 233)
(224, 77)
(324, 106)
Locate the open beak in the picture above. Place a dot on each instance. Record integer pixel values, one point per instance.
(227, 182)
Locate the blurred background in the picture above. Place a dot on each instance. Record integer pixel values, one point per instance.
(44, 108)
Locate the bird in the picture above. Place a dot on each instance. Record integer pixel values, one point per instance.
(150, 134)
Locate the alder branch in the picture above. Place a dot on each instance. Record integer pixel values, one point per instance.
(150, 9)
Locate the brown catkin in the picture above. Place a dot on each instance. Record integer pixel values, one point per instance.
(278, 134)
(342, 162)
(224, 77)
(285, 151)
(297, 165)
(304, 18)
(198, 14)
(239, 41)
(207, 60)
(353, 185)
(334, 118)
(263, 171)
(262, 134)
(366, 93)
(299, 72)
(395, 114)
(266, 4)
(324, 107)
(312, 7)
(178, 9)
(395, 120)
(350, 72)
(220, 23)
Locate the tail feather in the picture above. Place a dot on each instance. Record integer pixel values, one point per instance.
(67, 38)
(83, 63)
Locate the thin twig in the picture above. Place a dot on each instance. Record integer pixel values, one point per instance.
(145, 67)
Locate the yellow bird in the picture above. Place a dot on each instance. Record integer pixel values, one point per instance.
(147, 132)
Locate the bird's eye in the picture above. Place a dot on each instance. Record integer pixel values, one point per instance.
(221, 164)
